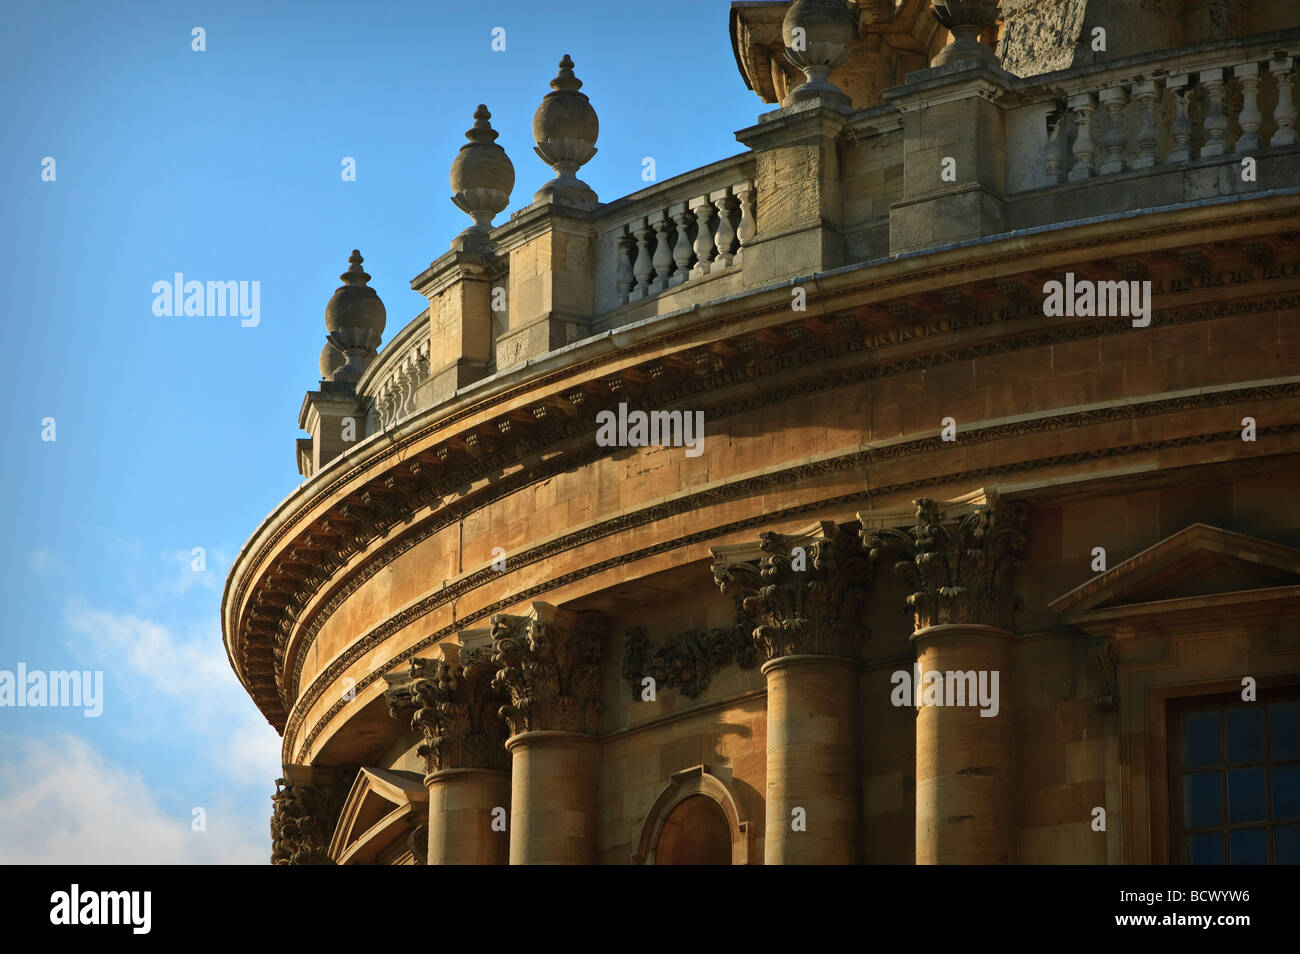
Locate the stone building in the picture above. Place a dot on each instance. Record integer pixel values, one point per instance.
(645, 542)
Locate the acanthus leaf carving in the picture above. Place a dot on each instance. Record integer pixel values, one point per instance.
(960, 572)
(811, 603)
(549, 665)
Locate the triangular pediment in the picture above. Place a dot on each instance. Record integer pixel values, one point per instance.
(1198, 565)
(381, 806)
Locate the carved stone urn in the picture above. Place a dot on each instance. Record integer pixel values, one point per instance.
(566, 128)
(355, 319)
(965, 20)
(818, 36)
(482, 176)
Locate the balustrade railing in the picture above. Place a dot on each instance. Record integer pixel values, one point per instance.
(684, 241)
(1155, 115)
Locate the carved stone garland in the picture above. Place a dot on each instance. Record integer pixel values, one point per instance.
(689, 661)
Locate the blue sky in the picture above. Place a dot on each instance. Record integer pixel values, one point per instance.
(176, 433)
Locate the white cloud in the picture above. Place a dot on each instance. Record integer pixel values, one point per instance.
(64, 804)
(218, 716)
(195, 670)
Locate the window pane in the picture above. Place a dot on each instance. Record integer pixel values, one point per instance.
(1286, 792)
(1249, 847)
(1205, 849)
(1286, 845)
(1203, 799)
(1284, 730)
(1201, 739)
(1246, 735)
(1246, 795)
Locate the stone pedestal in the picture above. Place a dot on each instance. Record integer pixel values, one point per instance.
(965, 808)
(553, 810)
(460, 816)
(813, 761)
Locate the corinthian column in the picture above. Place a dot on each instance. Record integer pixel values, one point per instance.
(549, 666)
(806, 594)
(453, 703)
(963, 602)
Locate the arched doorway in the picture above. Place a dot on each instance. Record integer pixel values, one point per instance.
(696, 832)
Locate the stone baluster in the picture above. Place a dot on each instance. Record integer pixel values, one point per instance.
(1083, 105)
(624, 277)
(406, 385)
(643, 268)
(726, 233)
(663, 258)
(1057, 134)
(748, 229)
(704, 237)
(1114, 100)
(1248, 76)
(1181, 130)
(1216, 123)
(1284, 114)
(1146, 94)
(682, 251)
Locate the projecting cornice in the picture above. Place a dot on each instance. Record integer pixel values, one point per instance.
(731, 356)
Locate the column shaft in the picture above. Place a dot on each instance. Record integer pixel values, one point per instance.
(553, 810)
(965, 805)
(461, 802)
(813, 761)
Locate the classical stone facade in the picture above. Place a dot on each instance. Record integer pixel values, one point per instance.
(775, 514)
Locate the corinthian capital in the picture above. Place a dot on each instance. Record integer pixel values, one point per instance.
(960, 571)
(303, 816)
(549, 664)
(806, 592)
(456, 707)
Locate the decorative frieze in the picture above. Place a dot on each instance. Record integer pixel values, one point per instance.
(549, 665)
(807, 593)
(960, 572)
(688, 661)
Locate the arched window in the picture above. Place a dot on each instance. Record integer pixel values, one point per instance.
(694, 821)
(696, 832)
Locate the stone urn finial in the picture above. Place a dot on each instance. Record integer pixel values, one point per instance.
(818, 36)
(565, 128)
(355, 319)
(482, 176)
(965, 20)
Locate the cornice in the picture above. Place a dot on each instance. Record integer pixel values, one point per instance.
(831, 338)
